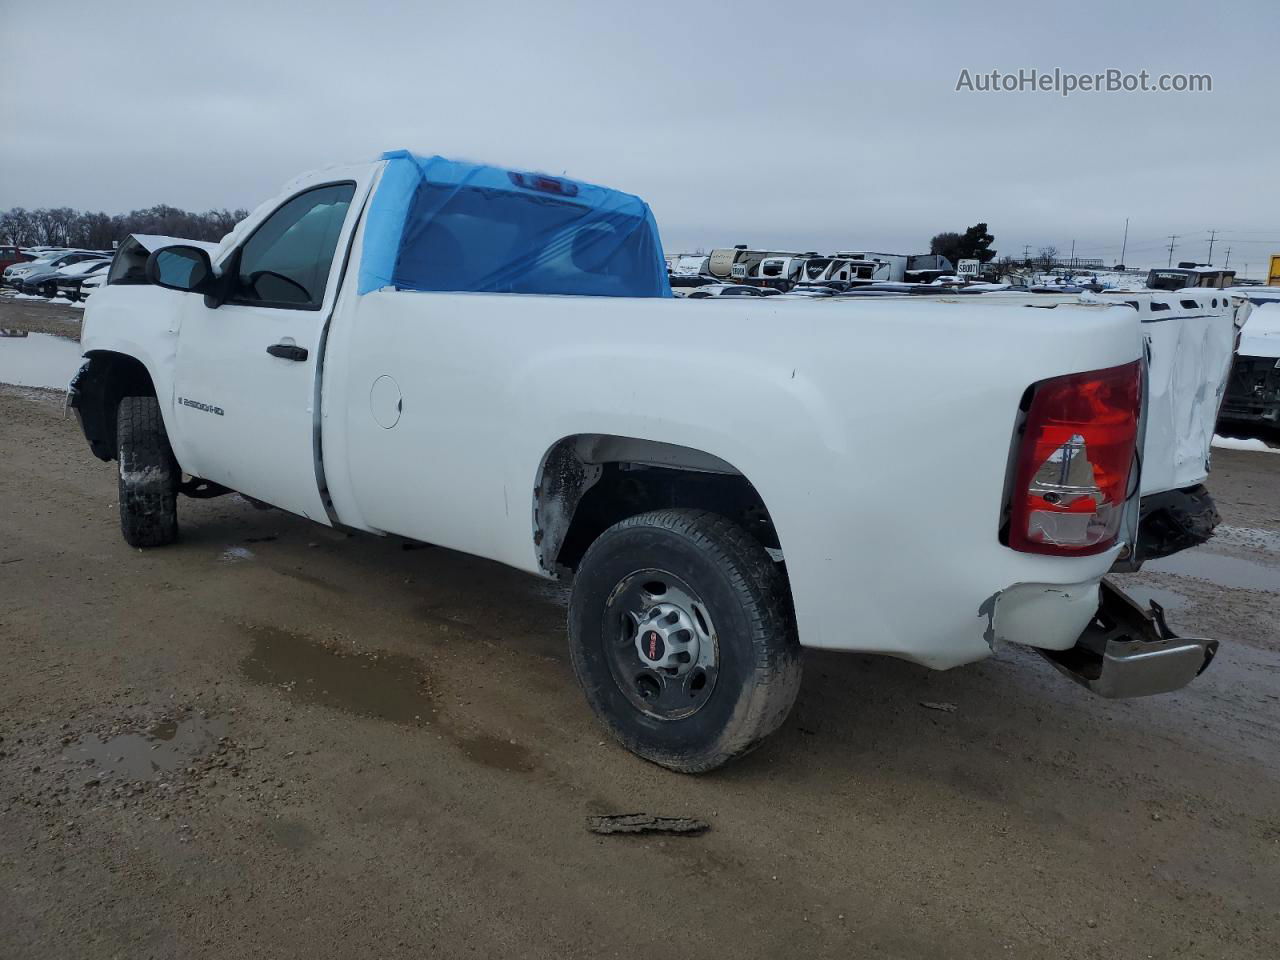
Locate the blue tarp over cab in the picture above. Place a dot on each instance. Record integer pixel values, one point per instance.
(444, 225)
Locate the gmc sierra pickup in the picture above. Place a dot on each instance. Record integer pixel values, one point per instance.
(491, 361)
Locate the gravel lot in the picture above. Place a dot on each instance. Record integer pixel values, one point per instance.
(274, 740)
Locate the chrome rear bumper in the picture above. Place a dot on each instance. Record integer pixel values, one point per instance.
(1130, 652)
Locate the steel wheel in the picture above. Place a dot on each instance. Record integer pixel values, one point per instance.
(681, 635)
(664, 655)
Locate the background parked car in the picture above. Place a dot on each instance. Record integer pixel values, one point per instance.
(10, 255)
(69, 279)
(690, 281)
(91, 284)
(723, 290)
(14, 271)
(811, 290)
(43, 282)
(15, 274)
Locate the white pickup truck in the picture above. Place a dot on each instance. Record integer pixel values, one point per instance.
(491, 361)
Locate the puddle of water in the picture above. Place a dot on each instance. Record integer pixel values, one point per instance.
(1216, 568)
(387, 686)
(37, 359)
(162, 748)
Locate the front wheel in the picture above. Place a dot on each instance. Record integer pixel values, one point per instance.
(148, 474)
(682, 637)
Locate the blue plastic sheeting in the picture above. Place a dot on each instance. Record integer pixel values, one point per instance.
(444, 225)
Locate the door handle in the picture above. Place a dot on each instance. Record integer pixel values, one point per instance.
(287, 351)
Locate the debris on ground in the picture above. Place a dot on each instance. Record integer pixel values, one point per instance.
(644, 823)
(940, 707)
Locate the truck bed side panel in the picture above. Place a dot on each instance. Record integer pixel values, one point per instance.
(877, 434)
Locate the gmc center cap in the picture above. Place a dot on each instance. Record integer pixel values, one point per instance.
(654, 649)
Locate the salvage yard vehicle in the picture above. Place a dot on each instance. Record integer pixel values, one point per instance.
(1186, 275)
(471, 356)
(1251, 407)
(736, 264)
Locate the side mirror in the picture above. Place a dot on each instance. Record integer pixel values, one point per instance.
(186, 269)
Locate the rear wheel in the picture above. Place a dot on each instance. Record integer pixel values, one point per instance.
(148, 474)
(682, 637)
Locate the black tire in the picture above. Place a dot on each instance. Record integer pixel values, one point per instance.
(745, 594)
(148, 474)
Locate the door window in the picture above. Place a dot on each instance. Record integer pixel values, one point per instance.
(286, 262)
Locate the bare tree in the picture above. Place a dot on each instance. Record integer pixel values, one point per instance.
(63, 226)
(1048, 257)
(15, 226)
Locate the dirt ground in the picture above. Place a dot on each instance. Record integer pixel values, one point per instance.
(276, 740)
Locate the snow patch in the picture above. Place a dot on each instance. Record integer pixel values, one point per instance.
(1231, 443)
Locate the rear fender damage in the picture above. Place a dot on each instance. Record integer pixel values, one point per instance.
(587, 482)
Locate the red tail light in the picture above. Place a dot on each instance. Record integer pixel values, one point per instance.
(1074, 464)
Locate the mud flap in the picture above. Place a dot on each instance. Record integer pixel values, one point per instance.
(1130, 652)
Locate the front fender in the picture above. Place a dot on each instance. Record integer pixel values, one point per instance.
(138, 322)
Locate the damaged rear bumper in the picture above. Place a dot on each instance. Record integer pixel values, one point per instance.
(1130, 652)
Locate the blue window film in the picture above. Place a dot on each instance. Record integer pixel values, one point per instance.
(441, 225)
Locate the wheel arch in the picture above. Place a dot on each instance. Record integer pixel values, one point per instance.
(587, 482)
(105, 378)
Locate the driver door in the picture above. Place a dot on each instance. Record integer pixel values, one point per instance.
(246, 387)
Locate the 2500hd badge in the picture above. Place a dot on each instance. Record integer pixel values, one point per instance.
(196, 404)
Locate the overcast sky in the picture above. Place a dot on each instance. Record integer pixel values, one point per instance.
(810, 126)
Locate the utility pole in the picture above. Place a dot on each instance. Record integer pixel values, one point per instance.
(1228, 263)
(1124, 246)
(1212, 235)
(1026, 254)
(1073, 253)
(1173, 239)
